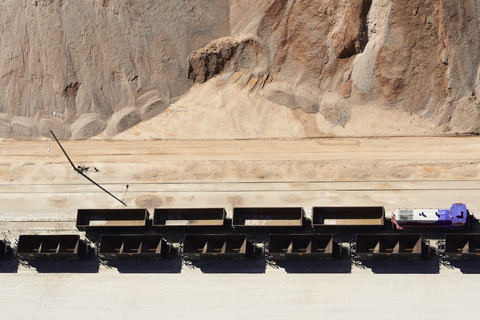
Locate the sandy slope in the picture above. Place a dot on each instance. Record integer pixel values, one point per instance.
(231, 106)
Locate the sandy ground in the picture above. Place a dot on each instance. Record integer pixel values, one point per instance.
(40, 193)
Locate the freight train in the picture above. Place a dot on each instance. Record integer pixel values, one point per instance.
(278, 233)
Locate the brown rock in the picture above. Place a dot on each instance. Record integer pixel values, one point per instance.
(241, 51)
(353, 37)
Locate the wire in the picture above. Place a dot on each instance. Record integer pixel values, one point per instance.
(79, 171)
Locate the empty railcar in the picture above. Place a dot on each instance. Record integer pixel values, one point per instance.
(348, 216)
(5, 249)
(91, 219)
(133, 246)
(462, 246)
(51, 247)
(189, 217)
(267, 217)
(217, 246)
(378, 246)
(297, 246)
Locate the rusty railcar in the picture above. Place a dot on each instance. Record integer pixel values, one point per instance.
(462, 246)
(133, 246)
(348, 216)
(5, 249)
(402, 246)
(52, 246)
(217, 246)
(295, 246)
(268, 217)
(89, 219)
(189, 217)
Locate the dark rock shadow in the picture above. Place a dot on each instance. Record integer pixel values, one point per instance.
(145, 266)
(8, 266)
(65, 266)
(315, 266)
(466, 266)
(422, 266)
(228, 266)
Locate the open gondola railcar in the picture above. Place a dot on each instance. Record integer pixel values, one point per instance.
(462, 246)
(92, 219)
(188, 217)
(348, 216)
(5, 250)
(132, 246)
(217, 246)
(382, 246)
(52, 246)
(267, 217)
(299, 246)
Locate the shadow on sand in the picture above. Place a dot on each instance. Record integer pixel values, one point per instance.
(8, 266)
(465, 266)
(314, 266)
(146, 266)
(422, 266)
(228, 266)
(65, 266)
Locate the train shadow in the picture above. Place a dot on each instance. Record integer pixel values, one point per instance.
(228, 266)
(8, 266)
(314, 266)
(423, 266)
(146, 266)
(64, 266)
(466, 266)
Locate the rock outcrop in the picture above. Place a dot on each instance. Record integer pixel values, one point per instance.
(233, 53)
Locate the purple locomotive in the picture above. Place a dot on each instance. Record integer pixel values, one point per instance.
(457, 217)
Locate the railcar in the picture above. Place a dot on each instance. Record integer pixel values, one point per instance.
(132, 246)
(217, 246)
(299, 246)
(381, 246)
(52, 246)
(188, 217)
(267, 217)
(5, 249)
(462, 246)
(94, 219)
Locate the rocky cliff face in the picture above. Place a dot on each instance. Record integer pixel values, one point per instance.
(261, 68)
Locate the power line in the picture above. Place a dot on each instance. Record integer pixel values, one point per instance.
(80, 170)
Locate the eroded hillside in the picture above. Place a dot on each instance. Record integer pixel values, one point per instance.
(99, 65)
(278, 68)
